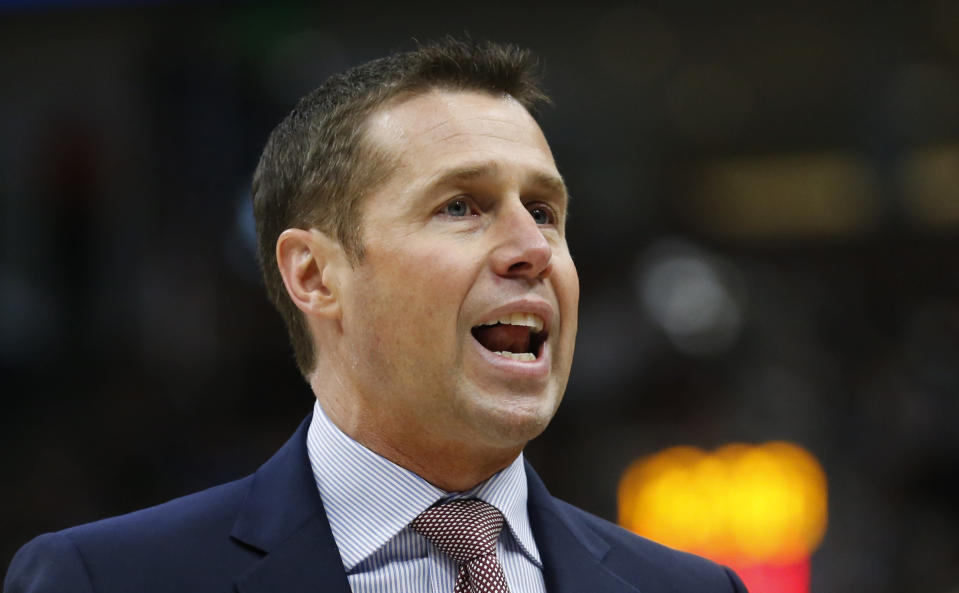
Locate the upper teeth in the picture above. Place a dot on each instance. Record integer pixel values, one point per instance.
(535, 322)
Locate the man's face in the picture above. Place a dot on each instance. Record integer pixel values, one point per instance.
(459, 322)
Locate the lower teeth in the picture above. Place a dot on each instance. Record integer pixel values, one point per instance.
(524, 356)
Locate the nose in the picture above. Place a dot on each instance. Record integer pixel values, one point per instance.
(522, 250)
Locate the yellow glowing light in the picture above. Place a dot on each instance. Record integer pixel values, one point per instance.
(762, 503)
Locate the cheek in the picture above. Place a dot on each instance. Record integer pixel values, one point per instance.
(416, 296)
(441, 269)
(566, 281)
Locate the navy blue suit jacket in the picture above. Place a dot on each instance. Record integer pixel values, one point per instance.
(268, 533)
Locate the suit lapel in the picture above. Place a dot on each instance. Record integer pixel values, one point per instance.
(283, 517)
(572, 554)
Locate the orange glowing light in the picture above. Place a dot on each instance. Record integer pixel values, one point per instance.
(742, 504)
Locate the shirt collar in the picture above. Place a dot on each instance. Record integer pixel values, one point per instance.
(369, 499)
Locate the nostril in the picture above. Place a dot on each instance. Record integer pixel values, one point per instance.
(526, 267)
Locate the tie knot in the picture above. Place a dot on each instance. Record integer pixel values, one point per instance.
(462, 529)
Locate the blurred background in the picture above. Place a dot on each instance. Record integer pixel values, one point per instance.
(765, 219)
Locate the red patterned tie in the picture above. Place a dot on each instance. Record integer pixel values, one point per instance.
(467, 530)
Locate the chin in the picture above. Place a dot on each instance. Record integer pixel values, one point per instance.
(514, 423)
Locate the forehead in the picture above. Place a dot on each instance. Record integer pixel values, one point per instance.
(427, 133)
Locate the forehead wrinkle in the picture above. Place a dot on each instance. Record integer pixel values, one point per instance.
(481, 134)
(453, 121)
(496, 120)
(435, 126)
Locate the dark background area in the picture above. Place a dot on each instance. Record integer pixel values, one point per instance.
(765, 220)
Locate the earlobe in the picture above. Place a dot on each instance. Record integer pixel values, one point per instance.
(308, 261)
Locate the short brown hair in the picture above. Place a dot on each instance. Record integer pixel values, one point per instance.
(315, 168)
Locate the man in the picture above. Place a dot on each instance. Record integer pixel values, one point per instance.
(412, 231)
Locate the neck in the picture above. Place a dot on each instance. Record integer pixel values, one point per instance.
(449, 466)
(453, 466)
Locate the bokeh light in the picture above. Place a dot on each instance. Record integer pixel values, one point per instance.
(692, 296)
(743, 505)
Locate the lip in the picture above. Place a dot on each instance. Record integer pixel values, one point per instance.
(537, 307)
(538, 369)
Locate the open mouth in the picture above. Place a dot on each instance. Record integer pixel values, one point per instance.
(519, 336)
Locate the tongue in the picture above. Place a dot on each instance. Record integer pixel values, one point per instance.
(499, 338)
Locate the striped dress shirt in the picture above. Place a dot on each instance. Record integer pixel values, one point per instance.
(370, 502)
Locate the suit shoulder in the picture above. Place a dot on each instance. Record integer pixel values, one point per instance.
(33, 571)
(646, 560)
(191, 513)
(121, 553)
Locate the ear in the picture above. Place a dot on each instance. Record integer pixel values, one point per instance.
(311, 263)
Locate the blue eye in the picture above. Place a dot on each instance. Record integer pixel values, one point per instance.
(457, 208)
(542, 215)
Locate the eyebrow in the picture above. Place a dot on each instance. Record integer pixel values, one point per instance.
(547, 181)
